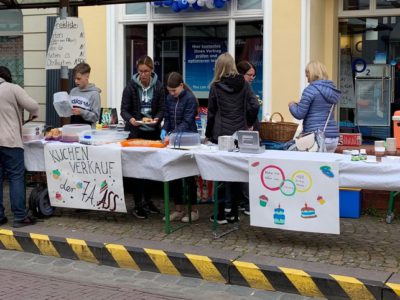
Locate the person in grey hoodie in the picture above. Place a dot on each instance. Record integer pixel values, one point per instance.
(85, 97)
(317, 100)
(143, 97)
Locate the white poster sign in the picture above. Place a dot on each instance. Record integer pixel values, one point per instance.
(87, 177)
(67, 45)
(294, 195)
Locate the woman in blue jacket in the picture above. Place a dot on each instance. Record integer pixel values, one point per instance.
(179, 116)
(317, 100)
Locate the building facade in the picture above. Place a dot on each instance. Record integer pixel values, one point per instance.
(353, 38)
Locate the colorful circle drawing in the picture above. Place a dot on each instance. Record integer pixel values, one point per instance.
(272, 177)
(302, 180)
(288, 187)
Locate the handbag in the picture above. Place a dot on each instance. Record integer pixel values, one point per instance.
(313, 141)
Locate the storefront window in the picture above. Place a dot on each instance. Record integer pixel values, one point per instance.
(382, 4)
(135, 8)
(190, 50)
(355, 4)
(168, 41)
(136, 46)
(11, 44)
(249, 46)
(11, 20)
(369, 77)
(249, 4)
(203, 45)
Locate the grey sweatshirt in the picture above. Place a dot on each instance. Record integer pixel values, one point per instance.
(88, 100)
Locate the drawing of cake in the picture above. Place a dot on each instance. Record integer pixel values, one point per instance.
(279, 216)
(321, 200)
(263, 200)
(308, 212)
(103, 186)
(56, 174)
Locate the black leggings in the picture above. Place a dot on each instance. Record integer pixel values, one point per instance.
(176, 190)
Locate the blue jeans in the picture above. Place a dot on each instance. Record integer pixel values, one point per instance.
(12, 165)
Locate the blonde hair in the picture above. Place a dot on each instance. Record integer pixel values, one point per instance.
(316, 71)
(224, 66)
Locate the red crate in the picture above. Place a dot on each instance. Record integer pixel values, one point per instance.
(350, 139)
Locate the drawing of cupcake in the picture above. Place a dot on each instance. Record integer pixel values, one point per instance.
(263, 200)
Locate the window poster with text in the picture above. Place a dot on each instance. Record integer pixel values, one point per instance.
(86, 177)
(200, 59)
(294, 195)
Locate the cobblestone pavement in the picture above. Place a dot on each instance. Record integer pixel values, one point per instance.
(30, 276)
(367, 243)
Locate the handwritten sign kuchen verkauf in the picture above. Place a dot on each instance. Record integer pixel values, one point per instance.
(87, 177)
(294, 195)
(67, 45)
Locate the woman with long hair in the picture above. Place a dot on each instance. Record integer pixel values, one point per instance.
(232, 106)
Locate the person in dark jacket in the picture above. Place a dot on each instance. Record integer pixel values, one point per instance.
(232, 106)
(143, 97)
(317, 100)
(180, 114)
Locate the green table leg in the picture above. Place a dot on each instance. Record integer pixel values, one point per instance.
(167, 225)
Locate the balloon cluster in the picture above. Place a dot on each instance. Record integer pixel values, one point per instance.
(178, 5)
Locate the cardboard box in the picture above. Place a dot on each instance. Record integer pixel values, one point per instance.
(349, 203)
(350, 139)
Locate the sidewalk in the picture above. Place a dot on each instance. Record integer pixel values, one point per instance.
(360, 263)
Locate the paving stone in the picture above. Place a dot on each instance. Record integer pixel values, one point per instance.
(189, 282)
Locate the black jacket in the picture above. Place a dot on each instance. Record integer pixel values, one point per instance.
(180, 113)
(130, 106)
(232, 106)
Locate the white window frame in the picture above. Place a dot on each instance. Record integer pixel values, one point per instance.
(117, 19)
(371, 12)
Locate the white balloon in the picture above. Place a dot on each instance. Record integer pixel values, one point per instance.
(210, 4)
(191, 1)
(200, 2)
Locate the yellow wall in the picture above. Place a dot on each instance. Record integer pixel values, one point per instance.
(324, 35)
(285, 55)
(94, 22)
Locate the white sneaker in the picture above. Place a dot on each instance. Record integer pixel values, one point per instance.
(175, 216)
(194, 215)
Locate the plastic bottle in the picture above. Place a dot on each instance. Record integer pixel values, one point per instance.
(355, 155)
(363, 154)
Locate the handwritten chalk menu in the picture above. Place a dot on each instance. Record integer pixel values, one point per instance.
(87, 177)
(67, 44)
(346, 84)
(294, 195)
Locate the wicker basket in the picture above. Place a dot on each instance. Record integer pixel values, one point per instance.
(277, 131)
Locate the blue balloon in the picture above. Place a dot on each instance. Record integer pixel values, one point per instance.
(219, 3)
(196, 6)
(175, 7)
(183, 4)
(157, 3)
(168, 2)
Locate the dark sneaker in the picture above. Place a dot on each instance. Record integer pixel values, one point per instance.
(25, 222)
(247, 211)
(232, 218)
(220, 220)
(3, 221)
(152, 208)
(140, 213)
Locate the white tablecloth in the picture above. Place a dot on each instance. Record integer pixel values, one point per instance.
(168, 164)
(233, 166)
(137, 162)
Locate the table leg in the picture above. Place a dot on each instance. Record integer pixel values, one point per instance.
(167, 225)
